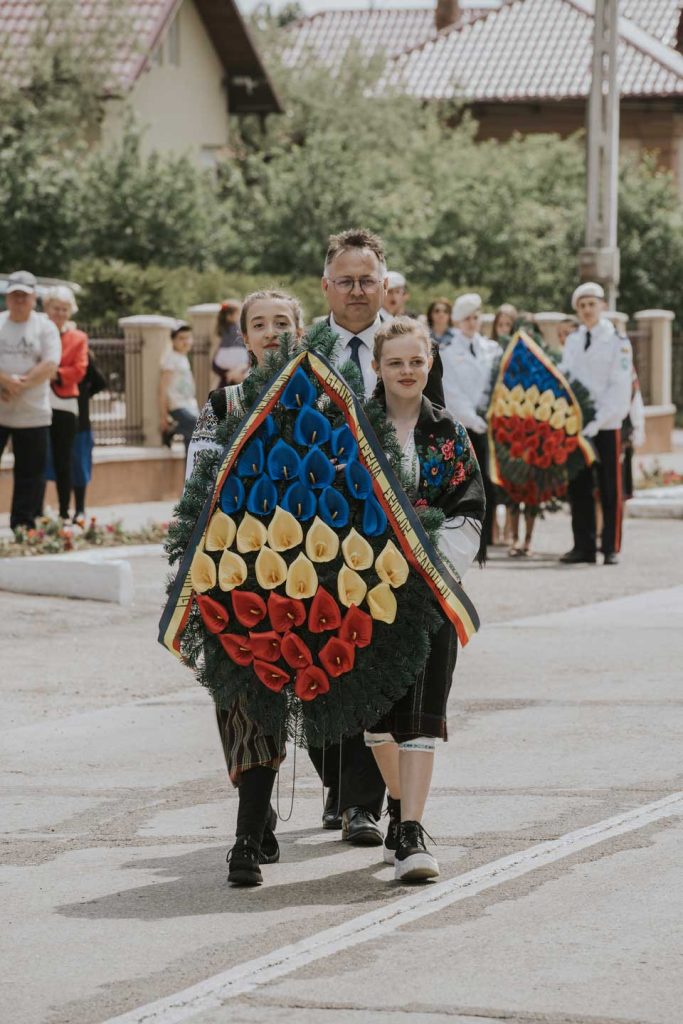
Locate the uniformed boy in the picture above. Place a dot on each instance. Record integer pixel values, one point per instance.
(601, 359)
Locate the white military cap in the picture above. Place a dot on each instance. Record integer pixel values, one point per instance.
(395, 280)
(465, 305)
(590, 289)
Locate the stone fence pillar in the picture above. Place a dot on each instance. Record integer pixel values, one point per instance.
(660, 413)
(203, 320)
(155, 335)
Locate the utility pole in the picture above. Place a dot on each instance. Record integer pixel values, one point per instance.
(599, 259)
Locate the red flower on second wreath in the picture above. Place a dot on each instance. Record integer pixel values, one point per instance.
(285, 612)
(214, 614)
(324, 613)
(270, 675)
(295, 652)
(265, 646)
(337, 656)
(249, 609)
(356, 628)
(310, 683)
(237, 648)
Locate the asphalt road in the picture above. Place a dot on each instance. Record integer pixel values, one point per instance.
(554, 810)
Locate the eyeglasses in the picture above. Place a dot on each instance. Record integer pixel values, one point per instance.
(367, 285)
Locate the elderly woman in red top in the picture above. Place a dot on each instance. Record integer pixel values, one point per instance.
(60, 306)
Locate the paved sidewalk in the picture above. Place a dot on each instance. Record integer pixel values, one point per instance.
(566, 712)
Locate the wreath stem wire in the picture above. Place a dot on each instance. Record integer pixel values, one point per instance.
(277, 788)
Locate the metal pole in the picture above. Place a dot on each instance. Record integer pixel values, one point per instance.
(599, 260)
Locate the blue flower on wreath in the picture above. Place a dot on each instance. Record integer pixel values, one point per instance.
(300, 501)
(311, 427)
(232, 495)
(358, 480)
(262, 497)
(316, 470)
(283, 462)
(267, 429)
(250, 462)
(344, 444)
(374, 518)
(299, 392)
(333, 508)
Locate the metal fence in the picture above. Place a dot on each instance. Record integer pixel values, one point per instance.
(116, 411)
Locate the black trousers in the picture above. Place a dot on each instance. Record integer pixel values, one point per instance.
(481, 450)
(62, 434)
(359, 783)
(29, 445)
(608, 472)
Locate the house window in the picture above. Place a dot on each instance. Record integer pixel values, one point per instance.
(173, 43)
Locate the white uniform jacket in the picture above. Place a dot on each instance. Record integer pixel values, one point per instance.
(605, 368)
(466, 374)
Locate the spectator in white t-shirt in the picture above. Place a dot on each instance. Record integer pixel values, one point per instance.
(30, 351)
(178, 409)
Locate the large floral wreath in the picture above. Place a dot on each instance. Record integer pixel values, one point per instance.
(308, 585)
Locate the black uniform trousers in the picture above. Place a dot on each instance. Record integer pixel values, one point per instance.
(480, 443)
(357, 780)
(29, 445)
(608, 471)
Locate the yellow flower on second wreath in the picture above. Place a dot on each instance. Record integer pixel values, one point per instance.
(232, 571)
(356, 551)
(202, 572)
(391, 566)
(302, 579)
(350, 587)
(270, 568)
(382, 603)
(284, 531)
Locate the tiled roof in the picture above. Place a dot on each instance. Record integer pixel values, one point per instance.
(659, 18)
(533, 50)
(143, 24)
(328, 34)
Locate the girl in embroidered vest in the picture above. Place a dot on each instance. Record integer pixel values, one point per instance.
(252, 757)
(441, 470)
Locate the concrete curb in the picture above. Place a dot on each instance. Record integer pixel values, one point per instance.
(82, 575)
(657, 503)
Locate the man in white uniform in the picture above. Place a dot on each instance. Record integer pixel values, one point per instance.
(30, 351)
(395, 296)
(601, 359)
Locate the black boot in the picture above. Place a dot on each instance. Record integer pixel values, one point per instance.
(243, 862)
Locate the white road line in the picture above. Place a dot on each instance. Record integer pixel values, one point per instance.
(214, 992)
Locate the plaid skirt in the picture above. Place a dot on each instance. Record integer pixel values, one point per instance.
(245, 744)
(422, 710)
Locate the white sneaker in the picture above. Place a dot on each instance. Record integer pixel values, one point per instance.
(413, 862)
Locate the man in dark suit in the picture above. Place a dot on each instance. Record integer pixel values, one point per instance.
(354, 284)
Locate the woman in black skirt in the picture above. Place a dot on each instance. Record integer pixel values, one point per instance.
(440, 465)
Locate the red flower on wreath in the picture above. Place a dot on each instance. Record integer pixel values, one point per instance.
(310, 683)
(559, 457)
(214, 615)
(237, 648)
(265, 646)
(544, 461)
(337, 656)
(285, 612)
(516, 449)
(249, 609)
(324, 613)
(295, 652)
(529, 425)
(270, 675)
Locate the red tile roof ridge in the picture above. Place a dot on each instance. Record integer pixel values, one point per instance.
(475, 18)
(638, 37)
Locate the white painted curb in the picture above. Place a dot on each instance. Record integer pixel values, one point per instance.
(82, 575)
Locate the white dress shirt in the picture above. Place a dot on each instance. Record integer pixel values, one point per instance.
(467, 366)
(367, 338)
(605, 368)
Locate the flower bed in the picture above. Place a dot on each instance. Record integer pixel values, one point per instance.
(54, 536)
(658, 477)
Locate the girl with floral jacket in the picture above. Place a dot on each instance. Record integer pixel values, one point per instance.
(440, 471)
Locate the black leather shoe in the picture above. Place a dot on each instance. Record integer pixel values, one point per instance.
(360, 827)
(332, 818)
(243, 862)
(611, 559)
(573, 557)
(270, 848)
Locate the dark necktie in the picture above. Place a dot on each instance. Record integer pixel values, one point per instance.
(587, 343)
(354, 345)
